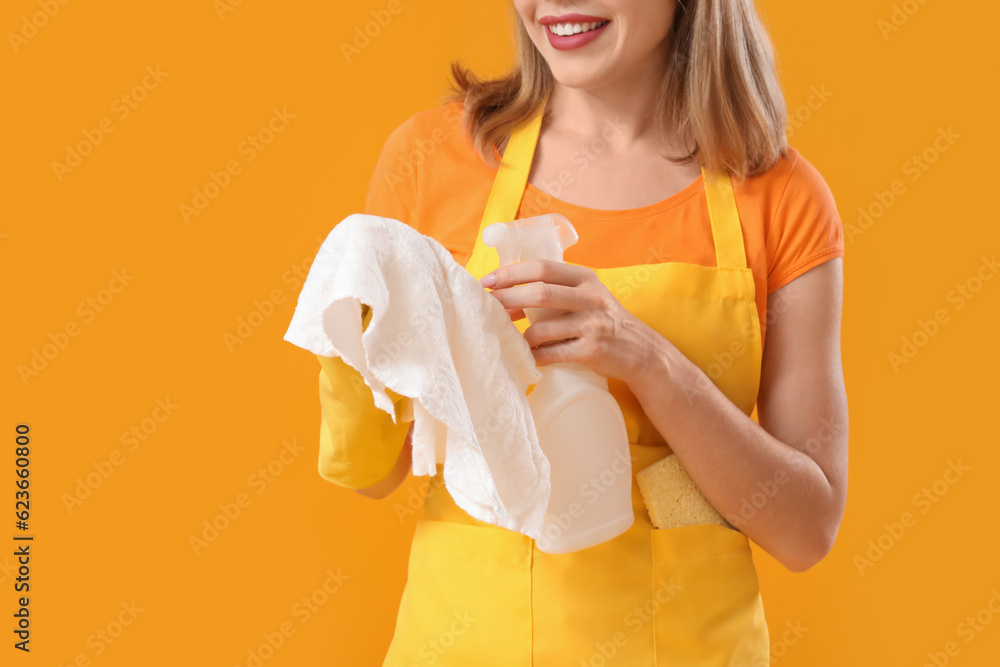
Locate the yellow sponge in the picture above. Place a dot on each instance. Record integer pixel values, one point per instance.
(671, 497)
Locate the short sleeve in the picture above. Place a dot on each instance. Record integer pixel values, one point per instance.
(392, 189)
(805, 229)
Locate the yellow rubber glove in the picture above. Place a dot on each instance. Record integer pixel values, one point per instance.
(358, 443)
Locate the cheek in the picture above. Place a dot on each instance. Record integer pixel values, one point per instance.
(649, 24)
(638, 40)
(526, 9)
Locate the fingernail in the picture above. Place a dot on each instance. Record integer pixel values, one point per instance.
(489, 280)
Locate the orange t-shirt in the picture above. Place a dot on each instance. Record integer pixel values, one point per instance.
(430, 177)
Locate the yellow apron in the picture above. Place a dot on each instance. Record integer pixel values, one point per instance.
(477, 594)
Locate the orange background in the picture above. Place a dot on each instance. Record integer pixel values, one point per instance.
(167, 333)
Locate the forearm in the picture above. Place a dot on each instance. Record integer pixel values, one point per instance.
(774, 493)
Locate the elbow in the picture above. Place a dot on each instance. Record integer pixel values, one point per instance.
(815, 531)
(811, 547)
(806, 554)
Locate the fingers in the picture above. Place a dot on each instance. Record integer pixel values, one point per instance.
(535, 270)
(545, 284)
(543, 295)
(557, 353)
(570, 326)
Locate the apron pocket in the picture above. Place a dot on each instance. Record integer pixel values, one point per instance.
(467, 599)
(709, 609)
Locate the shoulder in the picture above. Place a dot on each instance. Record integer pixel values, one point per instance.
(430, 176)
(414, 141)
(427, 140)
(791, 180)
(792, 194)
(804, 182)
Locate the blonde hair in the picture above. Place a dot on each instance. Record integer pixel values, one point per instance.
(721, 92)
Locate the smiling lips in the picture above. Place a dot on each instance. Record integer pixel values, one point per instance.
(571, 31)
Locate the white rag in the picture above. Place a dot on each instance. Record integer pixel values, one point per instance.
(437, 337)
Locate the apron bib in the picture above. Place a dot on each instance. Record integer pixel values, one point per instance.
(478, 594)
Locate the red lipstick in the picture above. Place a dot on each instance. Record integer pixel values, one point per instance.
(575, 41)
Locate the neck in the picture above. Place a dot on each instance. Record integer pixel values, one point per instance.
(624, 109)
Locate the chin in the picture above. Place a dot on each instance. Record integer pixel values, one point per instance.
(576, 79)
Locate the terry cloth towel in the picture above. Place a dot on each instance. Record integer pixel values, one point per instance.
(437, 337)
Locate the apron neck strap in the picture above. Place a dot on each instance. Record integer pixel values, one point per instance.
(512, 177)
(726, 231)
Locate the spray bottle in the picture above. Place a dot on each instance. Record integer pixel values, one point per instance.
(579, 423)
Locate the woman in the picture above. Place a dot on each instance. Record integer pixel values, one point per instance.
(657, 128)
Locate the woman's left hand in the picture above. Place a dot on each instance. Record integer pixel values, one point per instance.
(596, 330)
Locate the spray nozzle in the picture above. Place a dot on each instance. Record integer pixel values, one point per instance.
(541, 237)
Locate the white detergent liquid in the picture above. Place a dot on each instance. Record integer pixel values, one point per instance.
(579, 423)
